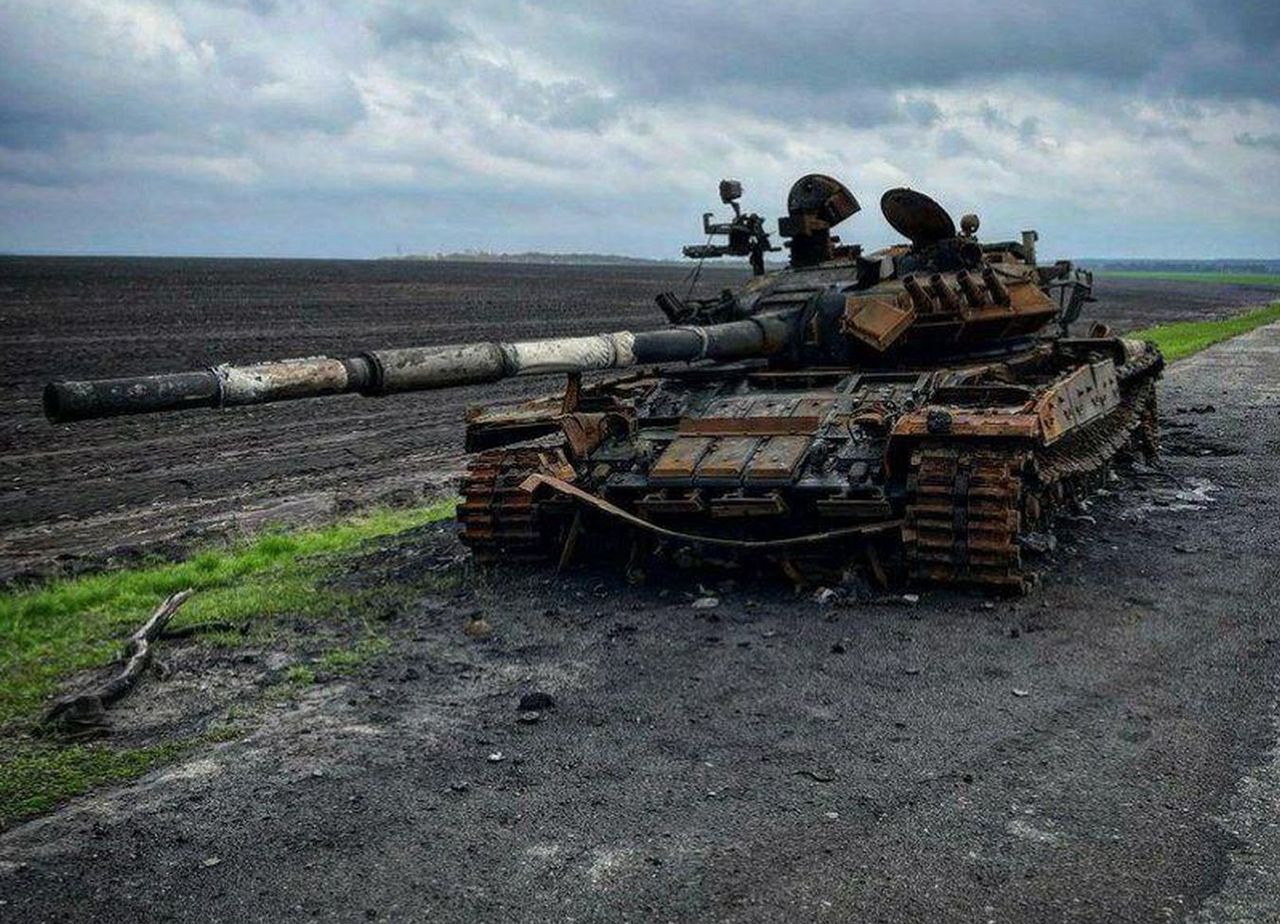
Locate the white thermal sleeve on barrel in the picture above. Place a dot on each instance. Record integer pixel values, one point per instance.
(572, 354)
(287, 378)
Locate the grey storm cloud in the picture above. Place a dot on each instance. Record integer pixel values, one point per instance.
(67, 73)
(308, 127)
(1213, 49)
(411, 25)
(1250, 140)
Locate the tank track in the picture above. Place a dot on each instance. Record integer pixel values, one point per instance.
(500, 521)
(965, 513)
(971, 509)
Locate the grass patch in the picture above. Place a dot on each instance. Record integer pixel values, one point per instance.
(37, 779)
(49, 632)
(345, 660)
(72, 624)
(300, 674)
(1183, 338)
(1240, 279)
(336, 662)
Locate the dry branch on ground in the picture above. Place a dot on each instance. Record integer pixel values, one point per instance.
(87, 710)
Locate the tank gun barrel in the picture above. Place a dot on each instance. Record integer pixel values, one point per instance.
(384, 372)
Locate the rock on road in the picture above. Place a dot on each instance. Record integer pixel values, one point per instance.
(1101, 750)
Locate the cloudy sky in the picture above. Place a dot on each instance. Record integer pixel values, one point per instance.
(284, 127)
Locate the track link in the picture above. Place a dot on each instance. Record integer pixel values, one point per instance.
(965, 515)
(500, 521)
(970, 507)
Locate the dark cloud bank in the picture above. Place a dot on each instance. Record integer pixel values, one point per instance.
(350, 129)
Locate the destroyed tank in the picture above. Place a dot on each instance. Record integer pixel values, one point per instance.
(920, 412)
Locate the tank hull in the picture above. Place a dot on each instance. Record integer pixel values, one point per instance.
(925, 474)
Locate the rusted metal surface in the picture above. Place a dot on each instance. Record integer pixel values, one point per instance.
(583, 432)
(727, 457)
(680, 458)
(281, 381)
(963, 519)
(944, 421)
(877, 320)
(777, 459)
(749, 426)
(917, 217)
(1085, 395)
(499, 520)
(533, 483)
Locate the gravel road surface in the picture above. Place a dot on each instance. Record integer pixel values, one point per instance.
(1100, 750)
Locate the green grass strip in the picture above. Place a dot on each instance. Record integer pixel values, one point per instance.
(1184, 338)
(36, 780)
(1240, 279)
(66, 625)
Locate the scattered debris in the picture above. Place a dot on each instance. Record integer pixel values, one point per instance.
(1198, 491)
(1189, 442)
(537, 701)
(477, 627)
(1020, 827)
(86, 712)
(1192, 495)
(818, 774)
(1039, 543)
(825, 596)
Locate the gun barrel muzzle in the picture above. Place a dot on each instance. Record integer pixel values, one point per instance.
(221, 386)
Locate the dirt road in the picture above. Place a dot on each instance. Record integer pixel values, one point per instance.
(71, 494)
(1102, 750)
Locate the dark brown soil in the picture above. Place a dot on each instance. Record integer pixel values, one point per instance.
(70, 495)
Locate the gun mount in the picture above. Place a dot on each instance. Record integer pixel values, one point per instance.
(746, 234)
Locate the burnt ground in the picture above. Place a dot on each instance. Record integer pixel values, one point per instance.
(1100, 750)
(72, 495)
